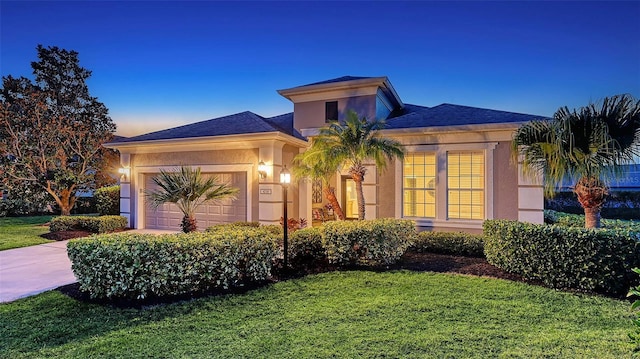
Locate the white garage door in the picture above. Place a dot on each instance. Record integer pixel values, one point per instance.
(168, 216)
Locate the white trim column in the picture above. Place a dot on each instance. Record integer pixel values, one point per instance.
(530, 198)
(125, 189)
(270, 194)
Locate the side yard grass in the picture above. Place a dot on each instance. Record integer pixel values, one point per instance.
(349, 314)
(16, 232)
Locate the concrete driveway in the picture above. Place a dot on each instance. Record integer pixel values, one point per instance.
(31, 270)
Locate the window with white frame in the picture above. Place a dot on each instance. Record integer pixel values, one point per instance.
(465, 185)
(419, 185)
(443, 184)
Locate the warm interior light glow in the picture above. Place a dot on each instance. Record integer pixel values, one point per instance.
(124, 171)
(285, 176)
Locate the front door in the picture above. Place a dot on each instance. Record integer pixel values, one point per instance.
(349, 198)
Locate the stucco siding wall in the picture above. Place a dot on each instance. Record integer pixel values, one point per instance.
(386, 191)
(312, 114)
(505, 187)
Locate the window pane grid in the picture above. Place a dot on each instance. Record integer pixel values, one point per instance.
(419, 193)
(465, 182)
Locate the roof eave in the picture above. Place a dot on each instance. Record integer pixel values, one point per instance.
(484, 127)
(287, 93)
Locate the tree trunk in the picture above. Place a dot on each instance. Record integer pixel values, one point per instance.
(592, 217)
(591, 193)
(189, 224)
(330, 195)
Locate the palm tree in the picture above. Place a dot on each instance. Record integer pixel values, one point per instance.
(188, 189)
(350, 144)
(311, 164)
(586, 145)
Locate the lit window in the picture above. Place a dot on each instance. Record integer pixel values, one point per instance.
(419, 185)
(465, 184)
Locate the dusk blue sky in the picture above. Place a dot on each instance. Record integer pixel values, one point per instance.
(161, 64)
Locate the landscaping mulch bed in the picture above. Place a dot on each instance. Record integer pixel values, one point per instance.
(64, 235)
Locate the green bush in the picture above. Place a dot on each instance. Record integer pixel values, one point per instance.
(273, 228)
(369, 243)
(137, 266)
(108, 200)
(456, 243)
(635, 292)
(562, 257)
(102, 224)
(305, 246)
(577, 221)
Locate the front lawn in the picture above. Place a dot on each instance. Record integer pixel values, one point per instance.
(16, 232)
(354, 314)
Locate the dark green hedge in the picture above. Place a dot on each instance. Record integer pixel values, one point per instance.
(137, 266)
(456, 243)
(561, 257)
(108, 200)
(101, 224)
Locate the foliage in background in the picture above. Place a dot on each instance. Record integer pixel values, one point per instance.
(137, 266)
(108, 200)
(455, 243)
(188, 189)
(51, 131)
(102, 224)
(24, 198)
(619, 204)
(350, 144)
(585, 145)
(294, 224)
(577, 258)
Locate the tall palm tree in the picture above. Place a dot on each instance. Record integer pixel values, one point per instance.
(350, 144)
(188, 189)
(587, 145)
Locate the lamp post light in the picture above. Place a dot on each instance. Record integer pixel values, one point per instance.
(285, 180)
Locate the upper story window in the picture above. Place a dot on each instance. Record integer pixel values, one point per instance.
(331, 111)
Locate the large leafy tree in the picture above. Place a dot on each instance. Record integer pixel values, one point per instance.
(51, 130)
(585, 145)
(188, 189)
(350, 144)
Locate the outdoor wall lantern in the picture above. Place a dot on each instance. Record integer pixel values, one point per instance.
(285, 180)
(262, 170)
(124, 172)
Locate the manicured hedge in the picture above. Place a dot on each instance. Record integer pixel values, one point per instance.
(108, 200)
(561, 257)
(368, 243)
(305, 247)
(577, 221)
(101, 224)
(275, 229)
(137, 266)
(456, 243)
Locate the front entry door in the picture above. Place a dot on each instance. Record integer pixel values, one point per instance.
(349, 198)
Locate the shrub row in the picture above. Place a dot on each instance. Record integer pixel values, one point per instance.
(137, 266)
(561, 257)
(456, 243)
(577, 221)
(366, 243)
(102, 224)
(218, 228)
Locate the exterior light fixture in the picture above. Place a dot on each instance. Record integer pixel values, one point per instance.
(262, 170)
(125, 172)
(285, 180)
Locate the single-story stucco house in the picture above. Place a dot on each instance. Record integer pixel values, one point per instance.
(457, 171)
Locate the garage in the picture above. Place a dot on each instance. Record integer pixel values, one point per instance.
(168, 216)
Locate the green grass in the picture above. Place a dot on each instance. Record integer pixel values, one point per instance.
(353, 314)
(16, 232)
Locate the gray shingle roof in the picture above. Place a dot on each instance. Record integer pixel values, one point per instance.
(239, 123)
(413, 116)
(338, 79)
